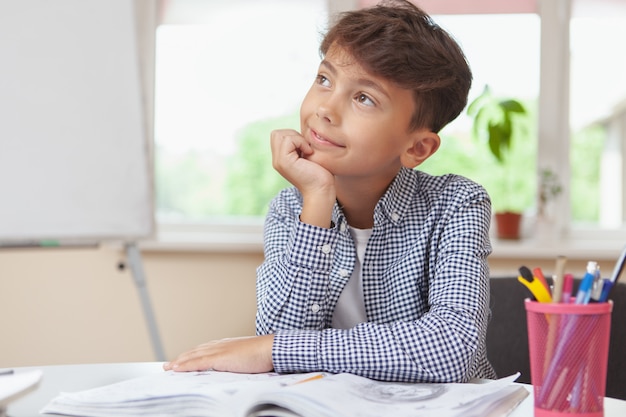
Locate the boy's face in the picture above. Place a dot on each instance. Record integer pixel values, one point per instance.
(356, 123)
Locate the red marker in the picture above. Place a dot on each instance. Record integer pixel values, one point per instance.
(539, 275)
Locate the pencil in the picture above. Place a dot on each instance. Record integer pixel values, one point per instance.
(557, 291)
(313, 378)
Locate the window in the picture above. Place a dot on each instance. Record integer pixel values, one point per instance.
(227, 73)
(598, 113)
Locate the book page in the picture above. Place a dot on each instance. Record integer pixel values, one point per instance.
(351, 395)
(209, 394)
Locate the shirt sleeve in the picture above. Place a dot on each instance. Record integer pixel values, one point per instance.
(451, 335)
(292, 281)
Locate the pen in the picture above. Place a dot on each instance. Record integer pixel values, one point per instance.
(30, 244)
(539, 291)
(6, 372)
(584, 291)
(557, 291)
(598, 284)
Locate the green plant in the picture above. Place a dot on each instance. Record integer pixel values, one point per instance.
(500, 123)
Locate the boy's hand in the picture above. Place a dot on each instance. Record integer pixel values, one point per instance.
(316, 184)
(243, 354)
(289, 157)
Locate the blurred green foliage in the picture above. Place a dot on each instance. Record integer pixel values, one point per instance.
(585, 159)
(466, 157)
(251, 180)
(199, 185)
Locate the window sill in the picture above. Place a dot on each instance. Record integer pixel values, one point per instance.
(243, 237)
(247, 237)
(573, 248)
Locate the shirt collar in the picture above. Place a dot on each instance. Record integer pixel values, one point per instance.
(394, 202)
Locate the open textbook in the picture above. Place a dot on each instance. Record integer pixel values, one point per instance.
(223, 394)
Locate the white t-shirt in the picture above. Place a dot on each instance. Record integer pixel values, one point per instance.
(350, 308)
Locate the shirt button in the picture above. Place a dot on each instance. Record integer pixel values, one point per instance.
(395, 216)
(315, 308)
(343, 272)
(342, 227)
(326, 248)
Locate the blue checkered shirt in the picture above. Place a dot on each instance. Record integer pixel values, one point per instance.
(425, 284)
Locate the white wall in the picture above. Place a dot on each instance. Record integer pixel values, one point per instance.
(74, 306)
(62, 306)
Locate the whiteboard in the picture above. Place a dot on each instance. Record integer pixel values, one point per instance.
(74, 157)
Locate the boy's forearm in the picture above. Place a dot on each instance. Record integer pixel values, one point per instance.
(317, 209)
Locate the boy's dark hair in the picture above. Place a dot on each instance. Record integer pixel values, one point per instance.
(398, 41)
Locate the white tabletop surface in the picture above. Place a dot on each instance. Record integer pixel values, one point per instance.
(68, 378)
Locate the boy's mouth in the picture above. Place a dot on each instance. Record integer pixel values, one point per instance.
(324, 140)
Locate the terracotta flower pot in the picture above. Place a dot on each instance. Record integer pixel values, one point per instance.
(508, 225)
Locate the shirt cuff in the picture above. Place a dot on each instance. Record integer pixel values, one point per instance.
(296, 351)
(312, 247)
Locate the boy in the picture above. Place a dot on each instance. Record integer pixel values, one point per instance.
(371, 267)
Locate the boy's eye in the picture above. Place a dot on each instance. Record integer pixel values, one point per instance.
(323, 80)
(364, 99)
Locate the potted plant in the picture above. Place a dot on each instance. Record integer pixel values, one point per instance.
(500, 122)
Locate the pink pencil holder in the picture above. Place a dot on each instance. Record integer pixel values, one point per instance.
(569, 349)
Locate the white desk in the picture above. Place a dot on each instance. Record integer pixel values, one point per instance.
(59, 378)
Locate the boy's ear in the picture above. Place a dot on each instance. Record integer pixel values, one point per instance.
(423, 144)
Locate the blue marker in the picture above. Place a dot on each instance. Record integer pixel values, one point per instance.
(612, 281)
(584, 291)
(606, 289)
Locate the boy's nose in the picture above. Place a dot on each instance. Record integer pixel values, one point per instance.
(328, 111)
(323, 114)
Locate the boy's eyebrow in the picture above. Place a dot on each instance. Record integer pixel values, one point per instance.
(361, 81)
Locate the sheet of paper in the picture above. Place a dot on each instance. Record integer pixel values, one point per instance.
(14, 385)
